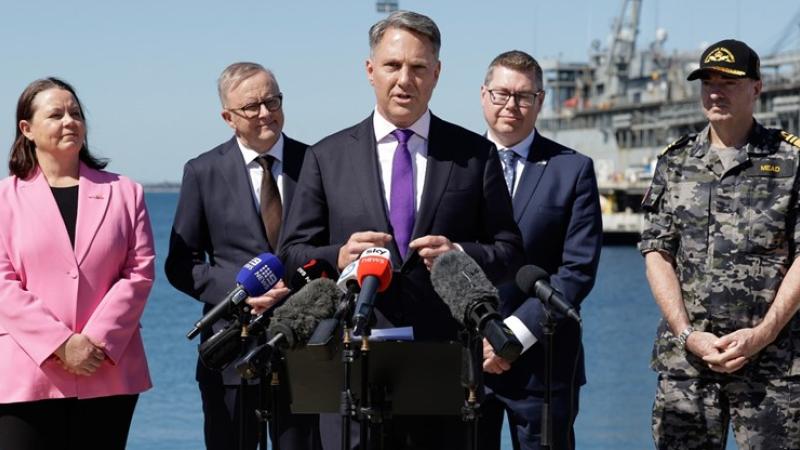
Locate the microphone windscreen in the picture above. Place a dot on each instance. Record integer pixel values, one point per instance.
(527, 276)
(260, 274)
(302, 312)
(377, 266)
(313, 269)
(459, 281)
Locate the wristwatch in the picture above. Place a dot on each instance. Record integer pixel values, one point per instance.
(685, 335)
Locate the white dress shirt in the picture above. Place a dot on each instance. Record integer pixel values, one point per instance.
(417, 146)
(257, 173)
(522, 149)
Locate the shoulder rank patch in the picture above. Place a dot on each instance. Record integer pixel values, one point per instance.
(790, 138)
(680, 142)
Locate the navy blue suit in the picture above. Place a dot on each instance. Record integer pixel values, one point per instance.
(217, 229)
(464, 199)
(556, 206)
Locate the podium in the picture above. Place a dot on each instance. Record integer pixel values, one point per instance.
(417, 378)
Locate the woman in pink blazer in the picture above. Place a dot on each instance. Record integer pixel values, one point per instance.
(76, 267)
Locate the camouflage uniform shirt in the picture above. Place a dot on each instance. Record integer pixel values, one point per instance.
(733, 235)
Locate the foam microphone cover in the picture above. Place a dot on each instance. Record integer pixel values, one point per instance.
(260, 274)
(302, 312)
(528, 276)
(459, 281)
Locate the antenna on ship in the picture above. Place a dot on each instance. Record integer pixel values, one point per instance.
(791, 29)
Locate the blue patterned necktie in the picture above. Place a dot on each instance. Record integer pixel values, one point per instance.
(509, 157)
(401, 201)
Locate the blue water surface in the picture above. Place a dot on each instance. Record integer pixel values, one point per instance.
(619, 317)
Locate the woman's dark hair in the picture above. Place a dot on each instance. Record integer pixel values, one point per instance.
(22, 160)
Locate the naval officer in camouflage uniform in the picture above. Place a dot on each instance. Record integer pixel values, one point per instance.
(721, 239)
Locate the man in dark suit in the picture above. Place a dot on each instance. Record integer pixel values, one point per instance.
(408, 181)
(232, 203)
(556, 206)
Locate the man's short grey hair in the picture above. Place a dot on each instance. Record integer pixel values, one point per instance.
(235, 74)
(409, 21)
(519, 61)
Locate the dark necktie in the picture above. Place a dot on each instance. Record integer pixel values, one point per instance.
(271, 209)
(401, 201)
(508, 157)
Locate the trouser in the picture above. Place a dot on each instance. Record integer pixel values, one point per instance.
(694, 413)
(222, 420)
(524, 412)
(67, 423)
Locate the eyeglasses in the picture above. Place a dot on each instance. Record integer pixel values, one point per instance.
(252, 110)
(522, 99)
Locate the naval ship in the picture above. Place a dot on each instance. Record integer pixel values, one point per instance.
(624, 105)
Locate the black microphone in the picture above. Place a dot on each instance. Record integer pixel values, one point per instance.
(533, 281)
(310, 271)
(293, 323)
(226, 345)
(313, 269)
(348, 284)
(473, 300)
(255, 278)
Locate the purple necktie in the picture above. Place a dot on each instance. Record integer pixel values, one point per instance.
(401, 202)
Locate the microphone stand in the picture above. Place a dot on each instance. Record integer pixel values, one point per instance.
(370, 413)
(347, 405)
(548, 329)
(365, 412)
(244, 320)
(274, 389)
(472, 380)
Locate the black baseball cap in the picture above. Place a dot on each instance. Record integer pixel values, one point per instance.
(730, 58)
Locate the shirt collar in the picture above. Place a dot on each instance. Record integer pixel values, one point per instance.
(383, 128)
(756, 141)
(522, 148)
(250, 155)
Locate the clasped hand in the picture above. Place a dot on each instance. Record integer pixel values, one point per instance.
(80, 355)
(728, 353)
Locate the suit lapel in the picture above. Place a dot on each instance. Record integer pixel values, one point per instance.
(42, 213)
(365, 172)
(535, 165)
(240, 189)
(94, 193)
(437, 174)
(292, 162)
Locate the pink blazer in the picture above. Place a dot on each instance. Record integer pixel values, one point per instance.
(49, 291)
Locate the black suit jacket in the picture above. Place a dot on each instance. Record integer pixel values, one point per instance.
(464, 199)
(557, 208)
(217, 228)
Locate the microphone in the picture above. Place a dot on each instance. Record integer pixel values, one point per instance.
(313, 269)
(293, 323)
(473, 300)
(348, 279)
(348, 284)
(374, 274)
(255, 278)
(221, 348)
(533, 281)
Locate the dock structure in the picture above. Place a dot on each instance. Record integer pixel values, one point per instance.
(624, 105)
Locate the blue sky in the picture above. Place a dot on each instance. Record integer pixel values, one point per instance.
(146, 70)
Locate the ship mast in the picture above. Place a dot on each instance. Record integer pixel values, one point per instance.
(620, 52)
